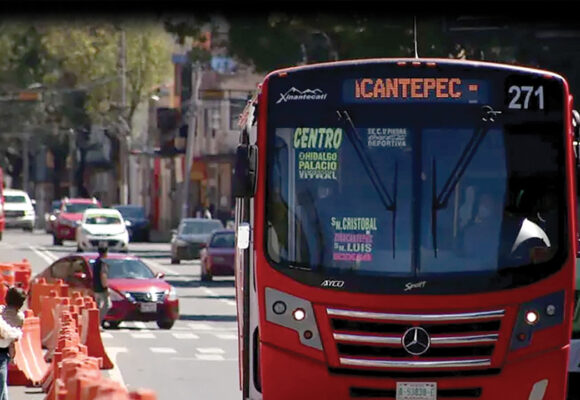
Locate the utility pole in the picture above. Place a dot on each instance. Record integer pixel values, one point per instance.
(189, 145)
(123, 148)
(25, 163)
(72, 154)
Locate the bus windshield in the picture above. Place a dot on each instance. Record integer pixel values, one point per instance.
(421, 193)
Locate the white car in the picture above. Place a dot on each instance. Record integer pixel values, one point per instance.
(102, 225)
(19, 210)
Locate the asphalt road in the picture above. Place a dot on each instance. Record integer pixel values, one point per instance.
(196, 359)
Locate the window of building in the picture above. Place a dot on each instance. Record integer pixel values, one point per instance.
(236, 108)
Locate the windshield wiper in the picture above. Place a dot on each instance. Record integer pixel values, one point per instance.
(389, 202)
(439, 201)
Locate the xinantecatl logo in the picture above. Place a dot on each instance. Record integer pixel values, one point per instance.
(294, 94)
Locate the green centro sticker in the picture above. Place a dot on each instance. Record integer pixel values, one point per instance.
(317, 152)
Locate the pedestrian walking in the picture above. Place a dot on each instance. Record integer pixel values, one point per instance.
(100, 284)
(11, 321)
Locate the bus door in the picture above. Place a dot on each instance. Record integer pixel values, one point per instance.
(246, 294)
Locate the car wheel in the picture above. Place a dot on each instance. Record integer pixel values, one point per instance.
(174, 260)
(147, 237)
(166, 323)
(56, 241)
(79, 249)
(111, 324)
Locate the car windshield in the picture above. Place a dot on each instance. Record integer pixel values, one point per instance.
(103, 220)
(200, 227)
(379, 193)
(131, 212)
(55, 205)
(14, 199)
(128, 269)
(223, 240)
(78, 207)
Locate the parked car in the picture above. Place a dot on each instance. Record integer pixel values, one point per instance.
(217, 257)
(137, 293)
(51, 216)
(136, 220)
(19, 210)
(69, 217)
(190, 236)
(102, 224)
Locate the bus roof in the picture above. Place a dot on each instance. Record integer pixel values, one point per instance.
(417, 62)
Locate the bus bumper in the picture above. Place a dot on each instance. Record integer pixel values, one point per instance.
(289, 376)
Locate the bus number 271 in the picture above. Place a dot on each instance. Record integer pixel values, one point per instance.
(521, 96)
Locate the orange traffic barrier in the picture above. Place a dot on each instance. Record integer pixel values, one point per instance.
(29, 358)
(39, 288)
(22, 274)
(110, 390)
(91, 335)
(142, 394)
(48, 318)
(7, 273)
(72, 369)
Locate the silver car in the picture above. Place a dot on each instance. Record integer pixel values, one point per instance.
(191, 236)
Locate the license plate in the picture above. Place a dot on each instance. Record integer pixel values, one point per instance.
(416, 391)
(148, 307)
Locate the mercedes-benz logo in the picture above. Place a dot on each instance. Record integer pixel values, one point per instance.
(416, 341)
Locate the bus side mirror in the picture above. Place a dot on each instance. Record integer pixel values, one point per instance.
(245, 171)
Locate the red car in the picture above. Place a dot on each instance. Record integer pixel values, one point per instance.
(217, 255)
(69, 217)
(137, 293)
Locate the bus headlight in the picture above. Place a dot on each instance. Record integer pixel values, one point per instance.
(541, 313)
(301, 319)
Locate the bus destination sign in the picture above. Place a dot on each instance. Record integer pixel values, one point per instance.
(416, 89)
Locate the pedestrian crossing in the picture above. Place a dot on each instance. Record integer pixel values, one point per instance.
(205, 341)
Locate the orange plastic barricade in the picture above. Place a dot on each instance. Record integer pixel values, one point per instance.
(7, 273)
(110, 390)
(40, 288)
(48, 332)
(22, 274)
(142, 394)
(91, 335)
(29, 358)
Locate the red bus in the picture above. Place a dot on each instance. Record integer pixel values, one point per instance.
(406, 230)
(2, 219)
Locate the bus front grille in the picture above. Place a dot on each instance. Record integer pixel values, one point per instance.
(371, 340)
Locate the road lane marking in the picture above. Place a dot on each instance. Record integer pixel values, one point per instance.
(200, 327)
(228, 302)
(165, 350)
(204, 357)
(210, 350)
(185, 336)
(140, 324)
(156, 265)
(46, 256)
(226, 336)
(106, 335)
(210, 357)
(143, 335)
(210, 292)
(115, 373)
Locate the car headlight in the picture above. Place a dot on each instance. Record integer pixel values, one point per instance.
(128, 223)
(52, 218)
(116, 296)
(181, 243)
(172, 294)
